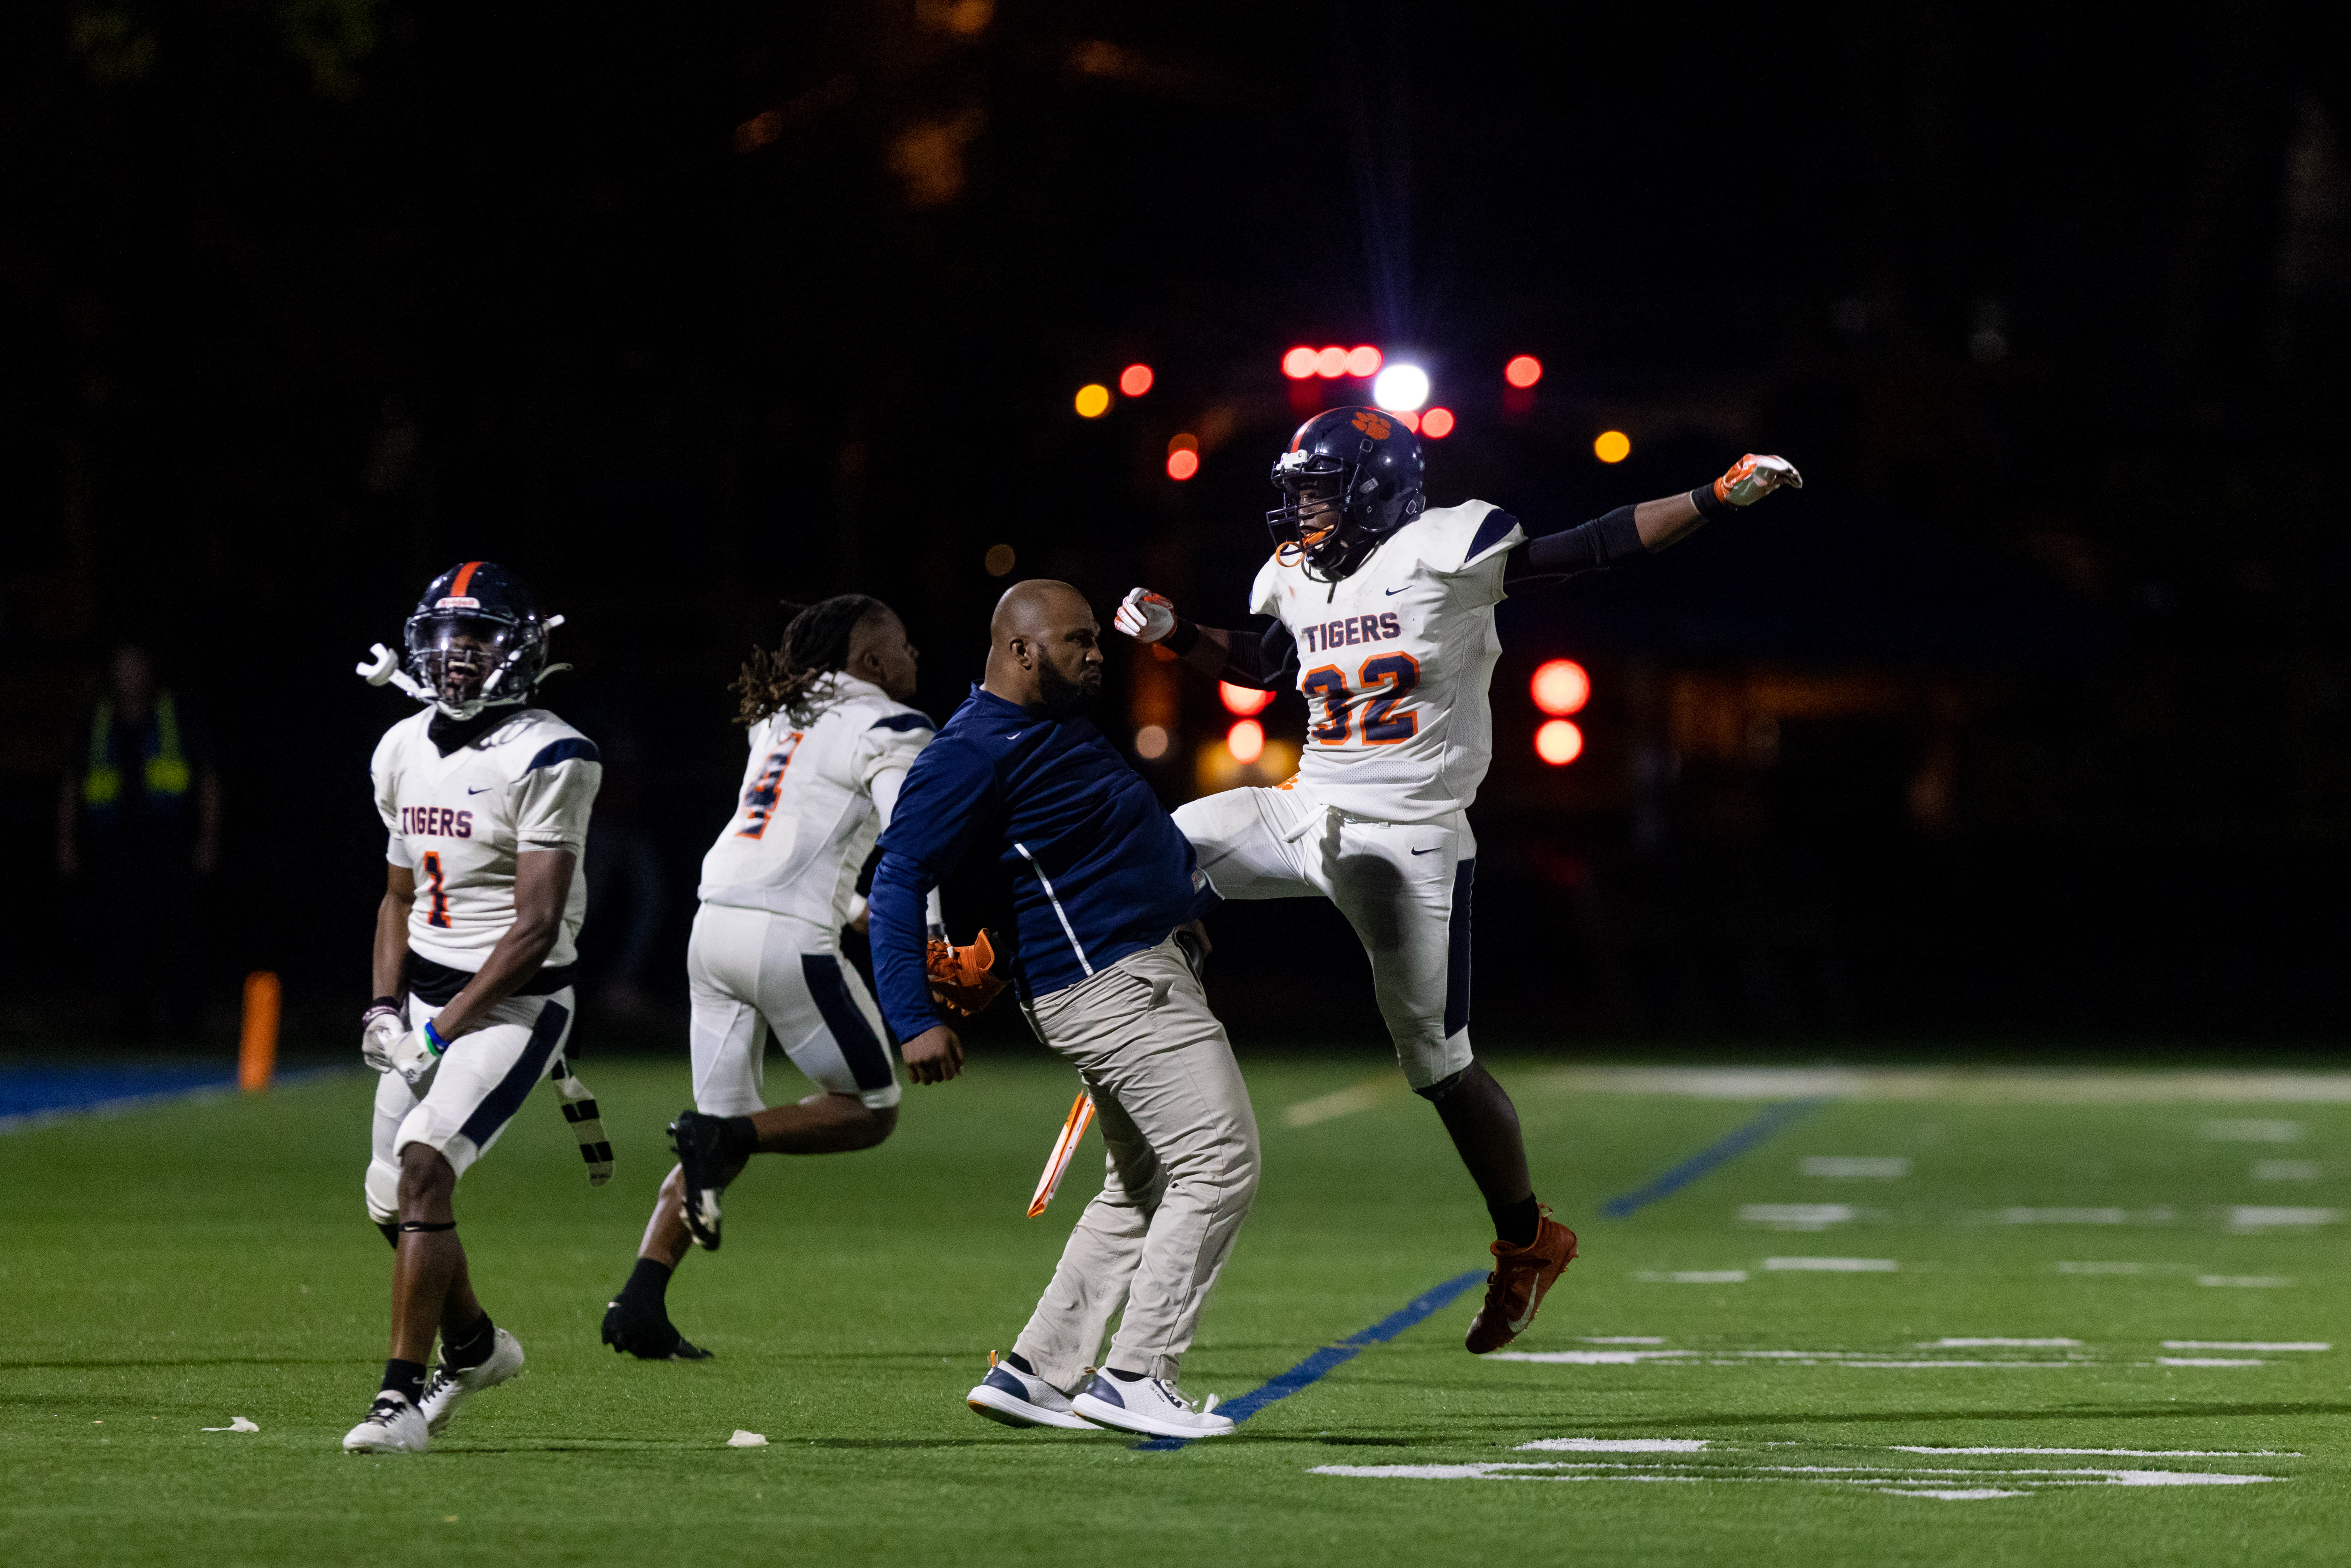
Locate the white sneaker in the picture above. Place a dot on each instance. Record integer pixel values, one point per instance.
(1148, 1405)
(393, 1426)
(450, 1389)
(1021, 1398)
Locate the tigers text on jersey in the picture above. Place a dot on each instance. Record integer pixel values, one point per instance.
(1394, 661)
(805, 817)
(459, 821)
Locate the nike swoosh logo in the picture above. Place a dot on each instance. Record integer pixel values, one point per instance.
(1427, 851)
(1393, 591)
(483, 790)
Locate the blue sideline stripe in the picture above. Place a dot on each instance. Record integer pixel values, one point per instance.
(1330, 1357)
(33, 1097)
(1729, 1148)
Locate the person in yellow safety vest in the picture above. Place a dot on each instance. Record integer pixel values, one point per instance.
(139, 825)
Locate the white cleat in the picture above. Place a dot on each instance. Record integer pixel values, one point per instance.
(393, 1426)
(1021, 1398)
(1150, 1406)
(450, 1389)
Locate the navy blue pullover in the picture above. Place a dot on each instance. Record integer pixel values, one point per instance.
(1096, 866)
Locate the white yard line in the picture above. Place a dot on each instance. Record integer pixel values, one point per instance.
(2055, 1087)
(1367, 1095)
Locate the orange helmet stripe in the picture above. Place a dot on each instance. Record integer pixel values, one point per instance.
(464, 577)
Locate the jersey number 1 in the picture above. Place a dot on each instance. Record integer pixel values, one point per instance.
(437, 912)
(1332, 700)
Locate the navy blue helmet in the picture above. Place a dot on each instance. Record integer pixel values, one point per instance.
(477, 640)
(1349, 479)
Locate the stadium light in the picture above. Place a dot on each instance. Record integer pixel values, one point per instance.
(1437, 423)
(1093, 400)
(1183, 462)
(1561, 687)
(1150, 742)
(1523, 371)
(1299, 364)
(1246, 702)
(1612, 446)
(1136, 379)
(1330, 363)
(1246, 741)
(1411, 420)
(1559, 742)
(1363, 361)
(1401, 387)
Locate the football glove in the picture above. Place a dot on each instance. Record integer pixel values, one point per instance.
(1753, 477)
(1145, 616)
(418, 1053)
(379, 1032)
(961, 978)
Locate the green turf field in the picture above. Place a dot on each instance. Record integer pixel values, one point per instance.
(2016, 1287)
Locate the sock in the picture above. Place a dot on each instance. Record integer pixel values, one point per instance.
(1018, 1362)
(405, 1378)
(737, 1139)
(1517, 1223)
(1124, 1376)
(648, 1282)
(471, 1348)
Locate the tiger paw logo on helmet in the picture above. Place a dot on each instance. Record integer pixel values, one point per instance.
(1369, 421)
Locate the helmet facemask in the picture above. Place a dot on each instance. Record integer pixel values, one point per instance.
(1332, 513)
(468, 661)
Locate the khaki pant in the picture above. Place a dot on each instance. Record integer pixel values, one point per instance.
(1183, 1167)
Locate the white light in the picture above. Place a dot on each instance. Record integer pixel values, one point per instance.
(1401, 387)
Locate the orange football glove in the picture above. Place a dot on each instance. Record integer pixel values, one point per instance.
(962, 978)
(1753, 477)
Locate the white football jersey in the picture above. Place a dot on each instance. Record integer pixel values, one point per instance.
(1395, 662)
(807, 815)
(459, 821)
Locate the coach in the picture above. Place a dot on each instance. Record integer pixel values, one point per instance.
(1099, 878)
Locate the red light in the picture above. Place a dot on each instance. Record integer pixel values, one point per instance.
(1561, 687)
(1246, 741)
(1363, 361)
(1299, 364)
(1183, 462)
(1245, 701)
(1523, 371)
(1559, 742)
(1411, 420)
(1134, 380)
(1330, 363)
(1437, 423)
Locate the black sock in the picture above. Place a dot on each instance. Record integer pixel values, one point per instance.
(405, 1378)
(1517, 1223)
(471, 1348)
(737, 1139)
(1018, 1362)
(648, 1282)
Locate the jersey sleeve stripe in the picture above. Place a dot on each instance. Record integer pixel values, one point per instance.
(565, 750)
(903, 722)
(1491, 532)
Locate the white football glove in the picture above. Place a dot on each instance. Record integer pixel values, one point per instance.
(379, 1033)
(1145, 616)
(1753, 477)
(418, 1053)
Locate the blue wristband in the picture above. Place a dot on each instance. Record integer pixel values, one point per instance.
(432, 1037)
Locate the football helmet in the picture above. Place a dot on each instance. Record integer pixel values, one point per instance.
(1350, 477)
(476, 641)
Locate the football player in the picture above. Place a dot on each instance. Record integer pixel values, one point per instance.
(1383, 618)
(832, 737)
(486, 798)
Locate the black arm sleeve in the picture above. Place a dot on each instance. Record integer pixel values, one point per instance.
(1591, 547)
(1267, 662)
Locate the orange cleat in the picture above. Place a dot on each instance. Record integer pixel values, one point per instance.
(1522, 1277)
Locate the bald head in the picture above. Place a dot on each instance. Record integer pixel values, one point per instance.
(1045, 648)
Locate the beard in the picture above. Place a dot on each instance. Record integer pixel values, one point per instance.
(1063, 698)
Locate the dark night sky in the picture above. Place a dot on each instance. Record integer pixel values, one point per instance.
(301, 301)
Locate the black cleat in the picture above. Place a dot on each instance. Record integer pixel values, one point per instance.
(700, 1141)
(648, 1335)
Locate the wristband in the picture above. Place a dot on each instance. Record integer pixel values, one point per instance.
(433, 1039)
(1182, 639)
(1710, 505)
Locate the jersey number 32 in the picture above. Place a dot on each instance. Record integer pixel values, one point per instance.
(1380, 687)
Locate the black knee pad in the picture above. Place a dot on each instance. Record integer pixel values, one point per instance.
(1435, 1093)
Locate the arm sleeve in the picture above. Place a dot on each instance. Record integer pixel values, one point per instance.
(1265, 662)
(553, 800)
(1590, 547)
(948, 799)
